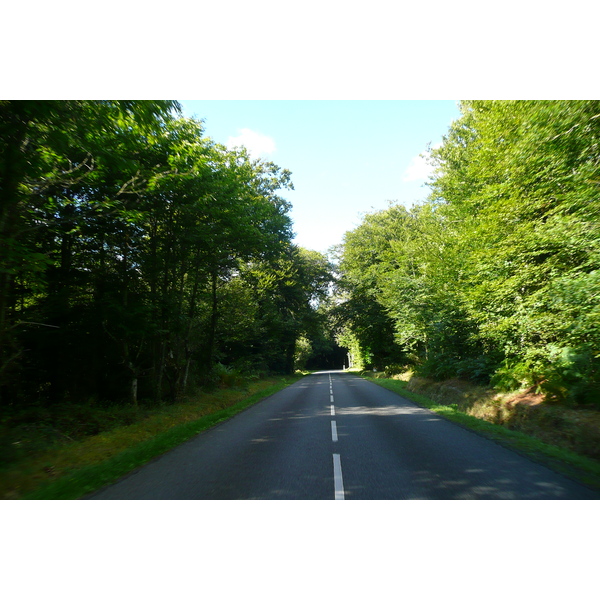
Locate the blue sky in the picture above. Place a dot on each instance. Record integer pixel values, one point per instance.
(347, 157)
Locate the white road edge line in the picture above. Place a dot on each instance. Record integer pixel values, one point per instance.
(334, 437)
(338, 482)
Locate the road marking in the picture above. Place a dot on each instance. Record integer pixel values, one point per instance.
(333, 411)
(338, 482)
(331, 398)
(334, 431)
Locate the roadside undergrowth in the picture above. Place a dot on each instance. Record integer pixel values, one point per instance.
(564, 438)
(74, 468)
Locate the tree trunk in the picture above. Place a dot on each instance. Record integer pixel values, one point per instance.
(134, 387)
(188, 333)
(13, 130)
(289, 357)
(185, 374)
(213, 323)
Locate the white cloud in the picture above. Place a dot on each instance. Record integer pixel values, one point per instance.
(257, 144)
(420, 167)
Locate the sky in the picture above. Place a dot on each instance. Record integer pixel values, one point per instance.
(347, 157)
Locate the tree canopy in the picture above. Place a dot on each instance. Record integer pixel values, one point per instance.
(138, 257)
(495, 277)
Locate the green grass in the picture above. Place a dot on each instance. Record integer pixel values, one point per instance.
(570, 464)
(85, 480)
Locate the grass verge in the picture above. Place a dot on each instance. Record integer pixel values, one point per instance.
(580, 468)
(80, 468)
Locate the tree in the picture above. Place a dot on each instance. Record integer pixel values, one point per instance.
(489, 277)
(49, 151)
(124, 230)
(525, 200)
(367, 257)
(289, 290)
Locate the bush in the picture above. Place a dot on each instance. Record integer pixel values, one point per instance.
(392, 370)
(512, 376)
(560, 373)
(477, 369)
(225, 376)
(572, 376)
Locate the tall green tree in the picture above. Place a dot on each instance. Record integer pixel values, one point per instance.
(529, 226)
(495, 275)
(49, 150)
(125, 230)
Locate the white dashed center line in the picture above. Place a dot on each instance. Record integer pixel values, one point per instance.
(334, 437)
(338, 482)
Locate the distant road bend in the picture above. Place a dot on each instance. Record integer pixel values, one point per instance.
(333, 435)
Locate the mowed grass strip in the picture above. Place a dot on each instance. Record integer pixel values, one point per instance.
(78, 469)
(570, 464)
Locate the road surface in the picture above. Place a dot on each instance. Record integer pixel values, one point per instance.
(333, 435)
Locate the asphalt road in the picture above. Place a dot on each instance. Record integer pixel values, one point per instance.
(333, 435)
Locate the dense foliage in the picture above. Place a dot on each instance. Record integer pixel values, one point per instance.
(496, 276)
(138, 257)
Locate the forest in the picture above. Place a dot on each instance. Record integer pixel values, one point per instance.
(495, 277)
(140, 260)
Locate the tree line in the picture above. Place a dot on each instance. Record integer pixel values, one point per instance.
(139, 258)
(496, 276)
